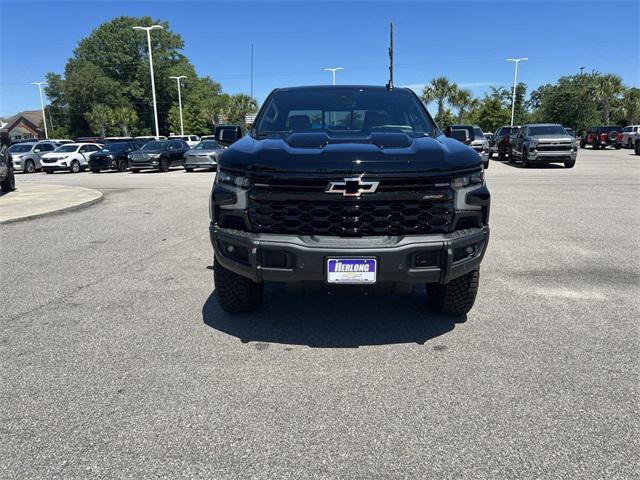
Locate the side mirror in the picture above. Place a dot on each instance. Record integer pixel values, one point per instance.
(228, 136)
(460, 135)
(37, 150)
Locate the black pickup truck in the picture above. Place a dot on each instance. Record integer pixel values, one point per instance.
(348, 185)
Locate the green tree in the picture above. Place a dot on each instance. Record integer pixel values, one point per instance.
(608, 88)
(493, 110)
(100, 118)
(125, 118)
(441, 91)
(630, 106)
(239, 106)
(463, 101)
(111, 67)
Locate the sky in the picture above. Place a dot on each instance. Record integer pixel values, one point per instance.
(468, 42)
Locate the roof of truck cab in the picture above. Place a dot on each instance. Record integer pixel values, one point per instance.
(337, 87)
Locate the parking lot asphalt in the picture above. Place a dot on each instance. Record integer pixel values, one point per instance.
(118, 363)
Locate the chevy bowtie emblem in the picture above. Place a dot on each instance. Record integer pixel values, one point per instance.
(352, 187)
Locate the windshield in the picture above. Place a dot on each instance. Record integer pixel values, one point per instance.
(508, 130)
(67, 148)
(116, 146)
(21, 147)
(350, 111)
(155, 145)
(477, 131)
(207, 145)
(547, 130)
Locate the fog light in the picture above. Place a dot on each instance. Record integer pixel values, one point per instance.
(230, 248)
(470, 250)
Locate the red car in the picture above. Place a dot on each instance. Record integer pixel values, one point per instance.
(602, 137)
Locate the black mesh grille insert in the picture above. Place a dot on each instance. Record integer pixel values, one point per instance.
(352, 217)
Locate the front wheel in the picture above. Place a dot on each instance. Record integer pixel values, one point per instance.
(29, 166)
(188, 169)
(75, 166)
(618, 146)
(637, 147)
(164, 165)
(525, 159)
(95, 170)
(595, 144)
(236, 294)
(456, 297)
(629, 143)
(582, 143)
(122, 165)
(486, 164)
(569, 164)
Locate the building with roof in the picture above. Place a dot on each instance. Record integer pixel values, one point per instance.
(23, 125)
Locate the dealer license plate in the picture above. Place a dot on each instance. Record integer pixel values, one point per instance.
(351, 270)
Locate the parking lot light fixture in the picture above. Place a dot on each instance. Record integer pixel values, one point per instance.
(333, 71)
(177, 79)
(153, 83)
(44, 117)
(515, 82)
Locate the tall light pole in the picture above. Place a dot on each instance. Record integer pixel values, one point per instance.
(44, 118)
(180, 102)
(515, 82)
(153, 83)
(333, 71)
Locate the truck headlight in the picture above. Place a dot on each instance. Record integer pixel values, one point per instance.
(462, 186)
(226, 178)
(533, 144)
(468, 180)
(154, 155)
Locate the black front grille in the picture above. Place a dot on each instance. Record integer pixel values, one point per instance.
(353, 217)
(559, 147)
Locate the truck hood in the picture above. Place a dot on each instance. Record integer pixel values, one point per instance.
(379, 152)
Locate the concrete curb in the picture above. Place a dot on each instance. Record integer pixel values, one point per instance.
(77, 206)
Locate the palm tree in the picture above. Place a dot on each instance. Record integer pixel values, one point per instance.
(125, 118)
(463, 100)
(99, 118)
(439, 90)
(241, 105)
(608, 87)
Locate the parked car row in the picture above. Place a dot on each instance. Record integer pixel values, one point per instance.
(115, 153)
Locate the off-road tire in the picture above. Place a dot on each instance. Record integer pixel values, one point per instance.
(236, 294)
(524, 161)
(637, 147)
(595, 145)
(164, 165)
(74, 167)
(486, 164)
(582, 143)
(490, 154)
(9, 183)
(456, 297)
(629, 143)
(569, 164)
(618, 146)
(29, 166)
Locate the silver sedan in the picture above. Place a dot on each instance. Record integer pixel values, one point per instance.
(203, 155)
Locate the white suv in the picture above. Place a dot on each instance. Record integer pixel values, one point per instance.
(192, 140)
(629, 134)
(73, 157)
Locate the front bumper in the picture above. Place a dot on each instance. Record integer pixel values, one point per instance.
(412, 259)
(151, 163)
(199, 162)
(552, 156)
(52, 167)
(102, 162)
(18, 165)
